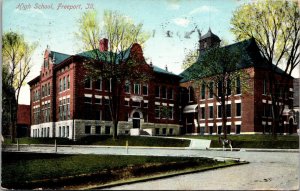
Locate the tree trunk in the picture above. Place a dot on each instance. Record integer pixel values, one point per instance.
(224, 119)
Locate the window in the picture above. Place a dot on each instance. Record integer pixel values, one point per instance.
(98, 100)
(145, 89)
(228, 128)
(87, 129)
(211, 112)
(68, 82)
(211, 130)
(164, 131)
(137, 89)
(219, 130)
(164, 92)
(171, 131)
(228, 110)
(238, 109)
(202, 112)
(211, 89)
(127, 87)
(67, 131)
(228, 90)
(126, 102)
(156, 131)
(59, 132)
(48, 88)
(203, 91)
(63, 131)
(68, 109)
(219, 111)
(171, 112)
(238, 86)
(87, 100)
(88, 83)
(107, 130)
(65, 83)
(220, 86)
(264, 87)
(191, 94)
(238, 129)
(107, 85)
(157, 111)
(145, 105)
(170, 93)
(157, 91)
(98, 129)
(136, 104)
(98, 84)
(60, 85)
(98, 115)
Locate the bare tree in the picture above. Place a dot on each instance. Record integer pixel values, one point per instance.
(121, 61)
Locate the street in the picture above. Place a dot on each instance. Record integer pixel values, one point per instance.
(266, 171)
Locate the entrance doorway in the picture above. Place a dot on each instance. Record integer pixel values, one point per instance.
(136, 120)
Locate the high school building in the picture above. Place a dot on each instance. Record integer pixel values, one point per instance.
(66, 103)
(247, 112)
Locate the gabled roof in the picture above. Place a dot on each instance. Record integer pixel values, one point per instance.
(58, 57)
(251, 58)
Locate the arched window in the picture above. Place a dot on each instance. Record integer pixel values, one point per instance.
(191, 94)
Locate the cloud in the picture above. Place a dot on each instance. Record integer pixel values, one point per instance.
(173, 4)
(203, 9)
(183, 22)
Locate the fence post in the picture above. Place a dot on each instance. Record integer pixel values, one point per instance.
(18, 147)
(55, 145)
(126, 146)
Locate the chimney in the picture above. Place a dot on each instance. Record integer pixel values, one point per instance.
(166, 68)
(103, 45)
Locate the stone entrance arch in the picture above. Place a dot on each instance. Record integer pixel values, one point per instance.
(136, 116)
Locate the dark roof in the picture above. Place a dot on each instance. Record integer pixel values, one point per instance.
(58, 57)
(209, 34)
(162, 71)
(251, 58)
(124, 55)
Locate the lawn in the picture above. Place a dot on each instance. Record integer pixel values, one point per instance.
(32, 170)
(107, 140)
(254, 141)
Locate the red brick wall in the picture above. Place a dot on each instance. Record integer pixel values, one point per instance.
(23, 115)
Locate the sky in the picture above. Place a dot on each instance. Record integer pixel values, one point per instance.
(56, 26)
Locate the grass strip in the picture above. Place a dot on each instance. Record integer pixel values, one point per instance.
(35, 170)
(108, 140)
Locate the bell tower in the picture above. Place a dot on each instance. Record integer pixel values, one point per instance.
(208, 40)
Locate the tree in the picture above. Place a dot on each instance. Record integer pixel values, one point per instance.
(121, 61)
(190, 58)
(275, 25)
(218, 71)
(16, 62)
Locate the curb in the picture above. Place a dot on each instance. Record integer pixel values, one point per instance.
(160, 177)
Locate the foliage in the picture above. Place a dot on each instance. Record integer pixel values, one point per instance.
(218, 70)
(89, 30)
(190, 58)
(275, 25)
(16, 67)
